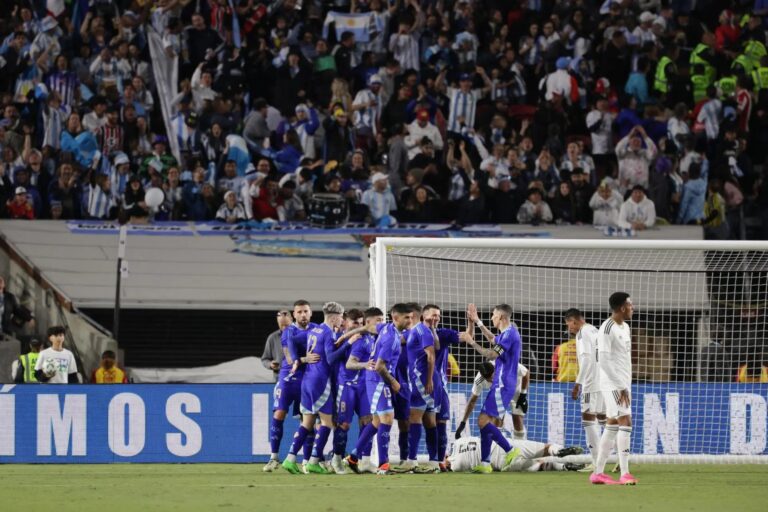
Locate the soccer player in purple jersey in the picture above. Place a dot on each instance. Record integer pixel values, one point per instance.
(446, 338)
(402, 400)
(381, 385)
(421, 373)
(316, 396)
(354, 398)
(505, 350)
(351, 333)
(287, 391)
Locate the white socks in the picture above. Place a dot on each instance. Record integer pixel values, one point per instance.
(622, 447)
(519, 434)
(592, 431)
(606, 443)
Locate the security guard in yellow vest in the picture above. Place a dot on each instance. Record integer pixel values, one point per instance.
(700, 82)
(727, 85)
(742, 62)
(760, 75)
(565, 362)
(700, 55)
(754, 51)
(664, 69)
(752, 374)
(25, 372)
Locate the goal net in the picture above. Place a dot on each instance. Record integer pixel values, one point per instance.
(699, 339)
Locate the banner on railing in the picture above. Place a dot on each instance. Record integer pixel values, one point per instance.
(230, 423)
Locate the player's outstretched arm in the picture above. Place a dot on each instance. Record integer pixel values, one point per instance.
(473, 317)
(353, 363)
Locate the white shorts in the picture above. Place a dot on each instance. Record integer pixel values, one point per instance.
(612, 407)
(593, 402)
(530, 452)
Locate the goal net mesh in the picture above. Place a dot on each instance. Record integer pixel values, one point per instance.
(700, 387)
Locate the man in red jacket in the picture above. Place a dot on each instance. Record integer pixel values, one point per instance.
(20, 207)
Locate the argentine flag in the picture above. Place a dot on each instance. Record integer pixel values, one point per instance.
(358, 24)
(237, 150)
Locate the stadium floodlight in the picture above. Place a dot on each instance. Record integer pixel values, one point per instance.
(699, 335)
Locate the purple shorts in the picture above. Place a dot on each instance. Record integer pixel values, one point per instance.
(352, 400)
(316, 396)
(287, 393)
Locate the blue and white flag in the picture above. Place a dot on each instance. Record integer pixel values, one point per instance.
(236, 40)
(358, 24)
(238, 151)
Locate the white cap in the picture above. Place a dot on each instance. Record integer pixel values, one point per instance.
(121, 158)
(374, 79)
(646, 16)
(378, 177)
(20, 190)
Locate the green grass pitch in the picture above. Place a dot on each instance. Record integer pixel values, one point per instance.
(210, 487)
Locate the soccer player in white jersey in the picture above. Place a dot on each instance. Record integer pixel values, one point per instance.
(614, 359)
(465, 454)
(518, 405)
(588, 380)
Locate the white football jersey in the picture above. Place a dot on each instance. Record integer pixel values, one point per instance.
(66, 364)
(586, 349)
(465, 454)
(479, 384)
(614, 356)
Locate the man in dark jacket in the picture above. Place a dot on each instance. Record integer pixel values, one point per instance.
(9, 307)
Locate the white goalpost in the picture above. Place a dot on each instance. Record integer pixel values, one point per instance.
(699, 334)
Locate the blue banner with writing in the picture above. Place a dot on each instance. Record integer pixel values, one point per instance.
(230, 422)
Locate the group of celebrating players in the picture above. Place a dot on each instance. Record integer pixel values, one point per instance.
(356, 363)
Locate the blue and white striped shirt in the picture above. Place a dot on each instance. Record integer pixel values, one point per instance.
(99, 202)
(463, 104)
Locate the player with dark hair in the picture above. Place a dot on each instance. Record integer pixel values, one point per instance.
(288, 387)
(587, 384)
(421, 343)
(316, 395)
(402, 400)
(381, 384)
(519, 405)
(614, 359)
(506, 350)
(354, 398)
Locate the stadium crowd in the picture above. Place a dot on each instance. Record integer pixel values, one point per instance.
(624, 113)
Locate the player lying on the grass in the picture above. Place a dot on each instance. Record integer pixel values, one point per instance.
(587, 384)
(505, 348)
(465, 455)
(519, 403)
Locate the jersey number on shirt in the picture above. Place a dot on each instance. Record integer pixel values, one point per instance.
(312, 343)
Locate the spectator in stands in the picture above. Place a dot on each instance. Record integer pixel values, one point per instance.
(637, 212)
(10, 309)
(380, 201)
(605, 204)
(563, 205)
(290, 206)
(273, 350)
(231, 211)
(418, 130)
(535, 210)
(108, 372)
(468, 75)
(20, 207)
(24, 373)
(634, 159)
(694, 195)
